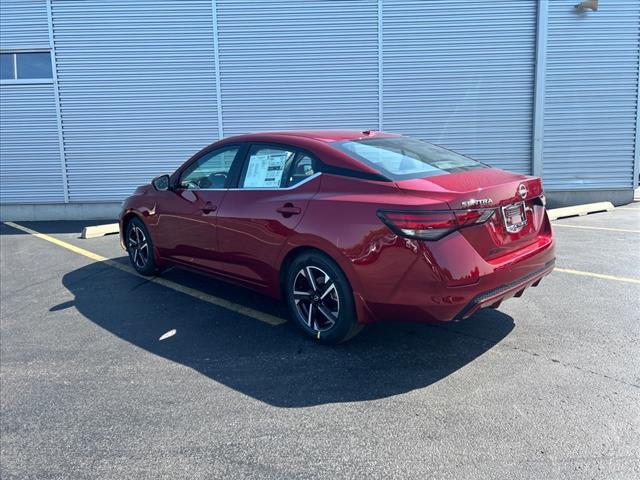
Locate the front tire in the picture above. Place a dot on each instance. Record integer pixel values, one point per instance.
(140, 247)
(320, 299)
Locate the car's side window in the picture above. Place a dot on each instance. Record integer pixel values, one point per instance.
(266, 166)
(303, 167)
(210, 170)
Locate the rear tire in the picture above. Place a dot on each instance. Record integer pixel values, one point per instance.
(140, 247)
(320, 299)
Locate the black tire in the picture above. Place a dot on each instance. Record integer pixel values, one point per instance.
(329, 299)
(140, 247)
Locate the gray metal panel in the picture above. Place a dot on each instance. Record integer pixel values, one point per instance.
(30, 169)
(294, 65)
(137, 91)
(591, 95)
(23, 24)
(461, 74)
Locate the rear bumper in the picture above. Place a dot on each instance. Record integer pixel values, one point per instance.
(453, 283)
(492, 298)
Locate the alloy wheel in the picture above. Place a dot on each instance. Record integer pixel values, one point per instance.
(316, 298)
(138, 246)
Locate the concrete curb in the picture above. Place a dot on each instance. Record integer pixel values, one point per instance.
(579, 210)
(100, 230)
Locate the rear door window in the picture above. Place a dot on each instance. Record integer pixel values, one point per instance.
(265, 167)
(302, 168)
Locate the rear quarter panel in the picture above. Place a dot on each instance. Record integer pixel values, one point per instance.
(341, 220)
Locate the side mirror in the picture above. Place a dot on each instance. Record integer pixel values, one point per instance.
(161, 183)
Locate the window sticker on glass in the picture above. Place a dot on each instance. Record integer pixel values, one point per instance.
(265, 170)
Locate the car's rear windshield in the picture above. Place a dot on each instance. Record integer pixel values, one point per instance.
(402, 158)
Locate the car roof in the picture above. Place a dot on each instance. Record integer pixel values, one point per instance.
(323, 135)
(318, 141)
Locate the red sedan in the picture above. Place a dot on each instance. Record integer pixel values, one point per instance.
(348, 227)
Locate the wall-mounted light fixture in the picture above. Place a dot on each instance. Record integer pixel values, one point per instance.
(588, 4)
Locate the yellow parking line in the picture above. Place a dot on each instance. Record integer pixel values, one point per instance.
(220, 302)
(598, 275)
(585, 227)
(634, 209)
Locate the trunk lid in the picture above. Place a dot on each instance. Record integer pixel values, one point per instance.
(510, 194)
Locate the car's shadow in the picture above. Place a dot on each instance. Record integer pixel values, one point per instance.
(275, 364)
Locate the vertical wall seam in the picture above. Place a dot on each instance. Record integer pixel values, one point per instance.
(216, 61)
(56, 93)
(636, 160)
(539, 87)
(380, 70)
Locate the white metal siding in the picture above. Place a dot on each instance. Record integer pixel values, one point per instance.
(137, 90)
(296, 65)
(461, 74)
(30, 169)
(138, 84)
(23, 24)
(591, 95)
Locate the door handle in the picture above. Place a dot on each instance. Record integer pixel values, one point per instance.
(289, 209)
(208, 208)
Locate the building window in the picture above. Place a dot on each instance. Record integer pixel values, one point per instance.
(25, 66)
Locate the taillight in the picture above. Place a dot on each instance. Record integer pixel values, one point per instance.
(540, 200)
(472, 217)
(432, 225)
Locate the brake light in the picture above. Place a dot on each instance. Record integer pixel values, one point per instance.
(432, 225)
(471, 217)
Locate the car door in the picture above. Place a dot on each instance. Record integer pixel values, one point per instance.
(256, 218)
(186, 223)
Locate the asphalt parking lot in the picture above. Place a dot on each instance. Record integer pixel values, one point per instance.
(105, 374)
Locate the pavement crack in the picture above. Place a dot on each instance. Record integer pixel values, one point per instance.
(142, 283)
(569, 365)
(534, 354)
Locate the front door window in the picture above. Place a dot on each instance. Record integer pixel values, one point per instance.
(210, 171)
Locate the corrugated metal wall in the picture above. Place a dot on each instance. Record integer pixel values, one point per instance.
(293, 65)
(138, 85)
(461, 74)
(591, 95)
(23, 24)
(30, 170)
(137, 90)
(30, 166)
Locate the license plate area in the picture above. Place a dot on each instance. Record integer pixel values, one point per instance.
(514, 216)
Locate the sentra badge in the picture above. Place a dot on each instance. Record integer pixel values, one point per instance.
(480, 202)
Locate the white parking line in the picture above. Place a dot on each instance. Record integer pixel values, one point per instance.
(220, 302)
(585, 227)
(598, 275)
